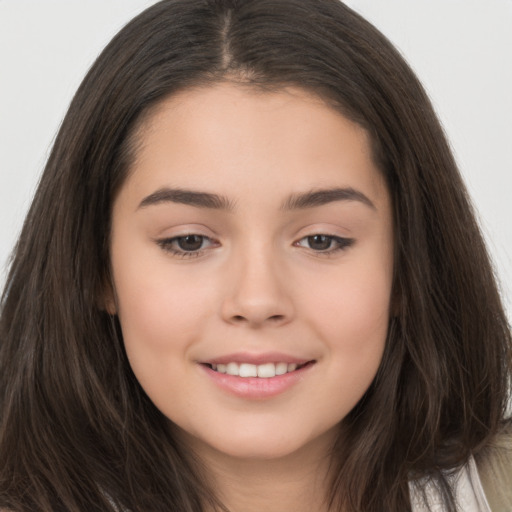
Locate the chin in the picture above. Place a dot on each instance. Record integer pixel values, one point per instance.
(261, 444)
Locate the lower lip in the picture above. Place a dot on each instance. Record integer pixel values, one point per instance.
(256, 388)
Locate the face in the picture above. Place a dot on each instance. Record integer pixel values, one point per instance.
(252, 263)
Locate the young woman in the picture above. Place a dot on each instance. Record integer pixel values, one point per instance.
(251, 279)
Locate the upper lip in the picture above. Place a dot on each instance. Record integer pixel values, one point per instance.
(251, 358)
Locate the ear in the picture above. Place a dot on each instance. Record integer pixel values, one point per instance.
(107, 298)
(109, 305)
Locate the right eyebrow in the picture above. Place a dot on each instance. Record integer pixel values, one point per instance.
(188, 197)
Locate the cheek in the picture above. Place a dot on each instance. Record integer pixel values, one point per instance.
(161, 317)
(354, 330)
(161, 311)
(351, 318)
(354, 304)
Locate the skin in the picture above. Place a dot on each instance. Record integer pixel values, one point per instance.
(257, 284)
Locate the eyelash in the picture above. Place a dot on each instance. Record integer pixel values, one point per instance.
(169, 245)
(341, 244)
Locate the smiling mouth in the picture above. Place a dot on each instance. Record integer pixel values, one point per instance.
(263, 371)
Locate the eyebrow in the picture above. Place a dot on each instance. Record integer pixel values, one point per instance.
(188, 197)
(316, 198)
(198, 199)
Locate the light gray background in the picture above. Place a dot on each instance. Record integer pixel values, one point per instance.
(461, 50)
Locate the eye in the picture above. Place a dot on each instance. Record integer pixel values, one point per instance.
(187, 245)
(325, 243)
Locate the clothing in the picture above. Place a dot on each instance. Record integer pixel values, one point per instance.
(482, 485)
(495, 469)
(468, 490)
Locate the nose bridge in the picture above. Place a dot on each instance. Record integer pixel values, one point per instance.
(257, 291)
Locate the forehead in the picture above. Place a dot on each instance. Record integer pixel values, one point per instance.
(231, 134)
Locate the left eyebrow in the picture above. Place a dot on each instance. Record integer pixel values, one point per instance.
(316, 198)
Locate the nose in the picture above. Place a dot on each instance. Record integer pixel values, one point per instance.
(257, 292)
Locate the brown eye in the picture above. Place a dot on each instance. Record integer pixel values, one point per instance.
(327, 244)
(190, 242)
(320, 242)
(187, 246)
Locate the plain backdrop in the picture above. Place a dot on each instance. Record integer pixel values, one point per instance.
(461, 50)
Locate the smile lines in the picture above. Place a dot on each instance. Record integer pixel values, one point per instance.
(264, 371)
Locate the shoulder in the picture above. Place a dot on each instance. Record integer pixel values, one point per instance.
(495, 470)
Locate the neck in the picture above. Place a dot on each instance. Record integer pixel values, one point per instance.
(297, 482)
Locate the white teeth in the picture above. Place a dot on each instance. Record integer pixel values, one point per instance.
(267, 370)
(232, 369)
(281, 368)
(248, 370)
(263, 371)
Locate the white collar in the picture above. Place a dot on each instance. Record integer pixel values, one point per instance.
(467, 488)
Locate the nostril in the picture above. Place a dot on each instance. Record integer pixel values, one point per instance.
(273, 318)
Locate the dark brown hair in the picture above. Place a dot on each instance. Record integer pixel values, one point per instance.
(76, 430)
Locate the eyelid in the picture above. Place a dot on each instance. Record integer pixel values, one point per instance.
(341, 243)
(167, 244)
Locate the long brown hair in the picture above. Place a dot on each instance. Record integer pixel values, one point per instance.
(78, 433)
